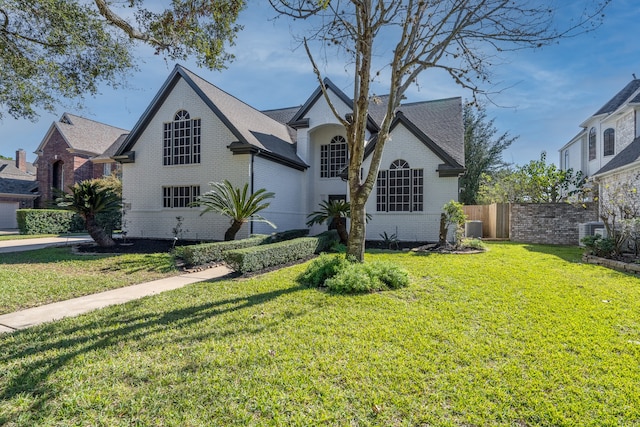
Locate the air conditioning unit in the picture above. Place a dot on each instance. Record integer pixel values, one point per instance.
(589, 229)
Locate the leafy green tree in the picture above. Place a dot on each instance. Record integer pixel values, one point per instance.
(88, 199)
(620, 210)
(235, 204)
(534, 182)
(52, 49)
(482, 150)
(453, 215)
(461, 38)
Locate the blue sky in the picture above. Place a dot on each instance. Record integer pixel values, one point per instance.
(546, 93)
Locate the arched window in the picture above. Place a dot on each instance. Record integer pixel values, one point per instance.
(592, 144)
(400, 188)
(609, 142)
(333, 157)
(181, 140)
(57, 178)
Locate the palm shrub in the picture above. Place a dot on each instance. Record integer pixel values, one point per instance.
(236, 204)
(88, 199)
(333, 212)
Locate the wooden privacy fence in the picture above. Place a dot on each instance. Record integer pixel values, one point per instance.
(495, 219)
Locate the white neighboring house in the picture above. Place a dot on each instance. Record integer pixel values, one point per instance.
(607, 150)
(194, 133)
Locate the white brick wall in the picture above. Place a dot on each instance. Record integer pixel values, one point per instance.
(286, 209)
(143, 180)
(412, 226)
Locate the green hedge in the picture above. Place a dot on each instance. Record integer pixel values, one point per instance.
(206, 253)
(58, 221)
(288, 235)
(48, 221)
(259, 257)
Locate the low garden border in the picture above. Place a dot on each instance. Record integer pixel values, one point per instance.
(612, 263)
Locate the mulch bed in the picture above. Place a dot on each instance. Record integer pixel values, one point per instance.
(133, 246)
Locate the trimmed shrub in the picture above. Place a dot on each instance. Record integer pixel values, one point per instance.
(603, 247)
(323, 268)
(48, 221)
(259, 257)
(344, 277)
(288, 235)
(368, 277)
(327, 240)
(206, 253)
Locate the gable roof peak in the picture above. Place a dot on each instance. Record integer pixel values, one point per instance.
(620, 98)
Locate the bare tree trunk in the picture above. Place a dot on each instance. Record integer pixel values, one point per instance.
(97, 233)
(231, 232)
(444, 230)
(357, 231)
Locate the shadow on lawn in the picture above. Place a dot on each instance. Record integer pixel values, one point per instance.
(571, 254)
(64, 345)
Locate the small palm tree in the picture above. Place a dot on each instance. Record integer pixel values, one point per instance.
(235, 204)
(334, 212)
(87, 199)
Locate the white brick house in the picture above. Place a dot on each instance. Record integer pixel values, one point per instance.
(193, 133)
(607, 150)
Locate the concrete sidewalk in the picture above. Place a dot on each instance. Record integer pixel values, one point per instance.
(20, 245)
(74, 307)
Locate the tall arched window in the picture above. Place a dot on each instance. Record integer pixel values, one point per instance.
(400, 188)
(592, 144)
(609, 142)
(181, 140)
(57, 175)
(333, 157)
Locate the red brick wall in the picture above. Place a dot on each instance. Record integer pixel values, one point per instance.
(76, 167)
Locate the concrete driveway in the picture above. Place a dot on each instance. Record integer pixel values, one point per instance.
(20, 245)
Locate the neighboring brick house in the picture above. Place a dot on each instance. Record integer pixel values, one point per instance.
(194, 133)
(18, 188)
(608, 148)
(75, 149)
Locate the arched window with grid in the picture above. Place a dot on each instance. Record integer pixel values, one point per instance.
(333, 157)
(609, 142)
(181, 140)
(592, 144)
(400, 188)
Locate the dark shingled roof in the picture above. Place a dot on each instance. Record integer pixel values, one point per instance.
(282, 115)
(620, 98)
(14, 181)
(630, 154)
(267, 133)
(439, 120)
(87, 135)
(256, 132)
(111, 151)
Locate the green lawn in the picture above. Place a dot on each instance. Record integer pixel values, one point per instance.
(32, 278)
(518, 336)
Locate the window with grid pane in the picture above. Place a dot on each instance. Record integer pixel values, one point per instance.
(181, 140)
(609, 142)
(592, 144)
(179, 196)
(333, 157)
(400, 188)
